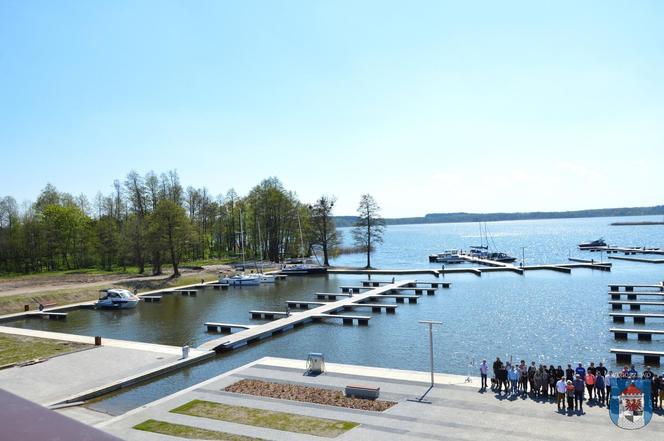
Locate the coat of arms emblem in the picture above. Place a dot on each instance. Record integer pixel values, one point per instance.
(631, 405)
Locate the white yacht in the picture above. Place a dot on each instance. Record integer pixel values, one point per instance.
(117, 299)
(241, 280)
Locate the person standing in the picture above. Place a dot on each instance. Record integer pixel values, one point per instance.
(561, 390)
(649, 375)
(532, 370)
(600, 387)
(581, 371)
(484, 370)
(569, 373)
(624, 373)
(552, 381)
(579, 386)
(592, 369)
(633, 373)
(607, 382)
(513, 376)
(602, 369)
(497, 365)
(570, 395)
(661, 389)
(538, 381)
(590, 384)
(523, 377)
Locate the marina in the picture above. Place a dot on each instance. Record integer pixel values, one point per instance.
(240, 338)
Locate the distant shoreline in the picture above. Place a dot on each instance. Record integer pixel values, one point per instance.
(637, 223)
(442, 218)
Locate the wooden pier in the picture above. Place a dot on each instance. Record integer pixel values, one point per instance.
(377, 283)
(633, 305)
(362, 320)
(302, 304)
(630, 287)
(642, 334)
(375, 307)
(225, 327)
(51, 315)
(331, 295)
(268, 314)
(625, 250)
(637, 259)
(151, 299)
(638, 317)
(651, 358)
(615, 295)
(323, 312)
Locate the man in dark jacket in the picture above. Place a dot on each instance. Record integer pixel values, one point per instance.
(579, 387)
(569, 373)
(496, 367)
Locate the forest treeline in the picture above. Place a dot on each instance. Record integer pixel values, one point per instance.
(151, 220)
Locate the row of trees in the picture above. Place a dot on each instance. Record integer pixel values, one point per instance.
(150, 220)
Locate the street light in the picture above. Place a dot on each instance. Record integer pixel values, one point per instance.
(430, 323)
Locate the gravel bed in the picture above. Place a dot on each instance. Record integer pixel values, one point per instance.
(306, 394)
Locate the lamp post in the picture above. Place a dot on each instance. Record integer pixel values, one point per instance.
(430, 323)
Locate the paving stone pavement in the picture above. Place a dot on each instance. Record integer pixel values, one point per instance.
(457, 410)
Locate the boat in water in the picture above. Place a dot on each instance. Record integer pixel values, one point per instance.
(302, 269)
(447, 256)
(500, 257)
(117, 299)
(241, 280)
(593, 244)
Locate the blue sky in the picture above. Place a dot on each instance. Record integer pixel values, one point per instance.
(429, 106)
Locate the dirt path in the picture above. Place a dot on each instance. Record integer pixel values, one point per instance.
(44, 283)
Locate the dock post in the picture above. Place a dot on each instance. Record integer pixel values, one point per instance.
(652, 360)
(624, 358)
(363, 322)
(347, 321)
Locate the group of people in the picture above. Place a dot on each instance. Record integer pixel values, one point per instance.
(568, 386)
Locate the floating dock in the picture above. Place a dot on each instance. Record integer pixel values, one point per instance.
(643, 334)
(325, 311)
(651, 358)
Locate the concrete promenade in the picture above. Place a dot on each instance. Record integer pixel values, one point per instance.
(90, 372)
(457, 410)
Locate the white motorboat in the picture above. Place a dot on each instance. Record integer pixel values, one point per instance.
(241, 280)
(447, 256)
(117, 299)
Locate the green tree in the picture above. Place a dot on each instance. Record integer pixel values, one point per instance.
(369, 228)
(171, 231)
(323, 230)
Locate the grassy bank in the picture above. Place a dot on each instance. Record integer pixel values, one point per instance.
(189, 432)
(19, 349)
(15, 303)
(266, 418)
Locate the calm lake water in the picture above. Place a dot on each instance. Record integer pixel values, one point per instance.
(543, 316)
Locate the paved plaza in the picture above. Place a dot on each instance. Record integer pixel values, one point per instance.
(457, 410)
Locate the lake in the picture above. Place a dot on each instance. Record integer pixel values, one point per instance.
(543, 316)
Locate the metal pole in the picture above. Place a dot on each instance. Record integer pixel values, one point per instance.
(431, 350)
(430, 323)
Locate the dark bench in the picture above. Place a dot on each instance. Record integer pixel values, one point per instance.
(360, 391)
